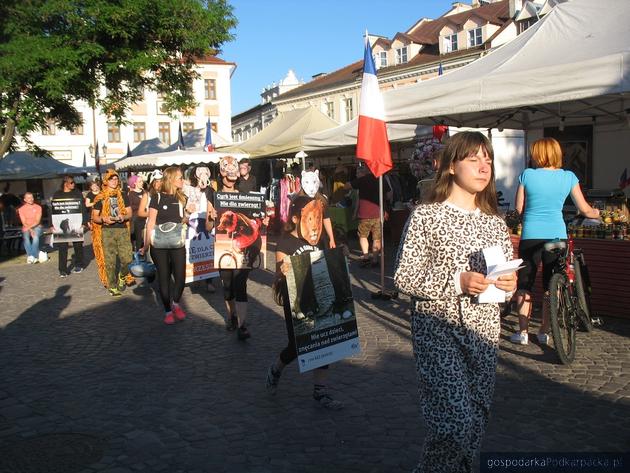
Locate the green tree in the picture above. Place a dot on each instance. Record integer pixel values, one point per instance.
(55, 52)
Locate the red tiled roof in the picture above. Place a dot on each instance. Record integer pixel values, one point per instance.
(212, 60)
(429, 31)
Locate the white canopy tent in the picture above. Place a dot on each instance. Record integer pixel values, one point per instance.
(572, 67)
(23, 165)
(172, 158)
(285, 135)
(346, 135)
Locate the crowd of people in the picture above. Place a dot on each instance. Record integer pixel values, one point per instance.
(440, 264)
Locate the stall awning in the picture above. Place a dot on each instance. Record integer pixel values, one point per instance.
(24, 165)
(172, 158)
(285, 135)
(346, 135)
(571, 66)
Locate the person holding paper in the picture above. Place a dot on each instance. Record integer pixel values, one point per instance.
(539, 199)
(440, 264)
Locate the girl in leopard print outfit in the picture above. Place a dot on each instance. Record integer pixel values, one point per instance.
(440, 264)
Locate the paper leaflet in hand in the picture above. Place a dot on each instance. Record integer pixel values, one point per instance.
(497, 266)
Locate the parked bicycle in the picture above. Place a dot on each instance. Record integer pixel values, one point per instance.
(569, 298)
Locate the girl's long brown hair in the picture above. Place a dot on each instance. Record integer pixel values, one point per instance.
(168, 183)
(459, 147)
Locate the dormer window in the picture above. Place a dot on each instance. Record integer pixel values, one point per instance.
(450, 43)
(382, 59)
(401, 55)
(474, 37)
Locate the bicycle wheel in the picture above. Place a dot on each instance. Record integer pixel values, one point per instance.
(584, 313)
(561, 318)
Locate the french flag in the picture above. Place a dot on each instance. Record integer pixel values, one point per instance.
(372, 142)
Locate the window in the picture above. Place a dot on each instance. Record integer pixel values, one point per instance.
(79, 129)
(349, 111)
(49, 129)
(165, 132)
(450, 43)
(214, 126)
(330, 109)
(382, 59)
(210, 88)
(113, 133)
(187, 127)
(401, 55)
(474, 37)
(139, 132)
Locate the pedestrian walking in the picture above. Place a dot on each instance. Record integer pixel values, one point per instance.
(111, 215)
(539, 199)
(296, 241)
(68, 191)
(135, 194)
(166, 235)
(30, 215)
(440, 264)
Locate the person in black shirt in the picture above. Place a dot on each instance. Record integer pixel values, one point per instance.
(112, 212)
(68, 191)
(95, 189)
(299, 237)
(169, 206)
(246, 182)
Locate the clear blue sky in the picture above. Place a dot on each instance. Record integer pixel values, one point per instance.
(309, 36)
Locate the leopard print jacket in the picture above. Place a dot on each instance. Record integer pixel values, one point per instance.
(440, 239)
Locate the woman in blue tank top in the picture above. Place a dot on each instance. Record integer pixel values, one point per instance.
(539, 199)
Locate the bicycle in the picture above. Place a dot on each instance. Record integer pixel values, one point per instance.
(569, 302)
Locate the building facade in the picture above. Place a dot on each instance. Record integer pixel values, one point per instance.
(147, 119)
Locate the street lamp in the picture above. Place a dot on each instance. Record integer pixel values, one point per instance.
(104, 150)
(91, 150)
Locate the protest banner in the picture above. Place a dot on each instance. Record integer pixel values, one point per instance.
(67, 219)
(240, 236)
(322, 308)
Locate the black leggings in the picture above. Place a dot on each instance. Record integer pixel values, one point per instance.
(170, 261)
(137, 227)
(290, 352)
(532, 253)
(234, 284)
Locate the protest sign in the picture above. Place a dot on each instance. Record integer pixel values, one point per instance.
(67, 219)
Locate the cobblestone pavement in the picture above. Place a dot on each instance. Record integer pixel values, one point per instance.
(77, 364)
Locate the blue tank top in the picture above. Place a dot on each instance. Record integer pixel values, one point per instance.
(545, 193)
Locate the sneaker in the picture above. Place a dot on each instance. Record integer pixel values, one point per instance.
(30, 260)
(122, 284)
(77, 269)
(273, 378)
(169, 319)
(521, 338)
(178, 312)
(242, 333)
(115, 292)
(543, 338)
(327, 402)
(63, 274)
(365, 261)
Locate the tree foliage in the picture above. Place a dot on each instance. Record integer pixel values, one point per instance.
(104, 52)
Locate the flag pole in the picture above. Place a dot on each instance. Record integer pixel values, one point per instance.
(380, 204)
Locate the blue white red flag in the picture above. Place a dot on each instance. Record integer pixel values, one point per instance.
(372, 142)
(208, 146)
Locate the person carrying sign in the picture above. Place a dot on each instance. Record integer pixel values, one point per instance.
(302, 234)
(68, 192)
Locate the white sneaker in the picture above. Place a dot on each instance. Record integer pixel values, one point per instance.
(30, 260)
(543, 338)
(520, 338)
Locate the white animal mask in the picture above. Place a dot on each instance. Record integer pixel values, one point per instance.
(203, 177)
(310, 182)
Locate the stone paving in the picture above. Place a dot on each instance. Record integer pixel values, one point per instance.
(146, 397)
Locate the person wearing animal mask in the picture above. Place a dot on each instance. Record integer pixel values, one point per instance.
(310, 185)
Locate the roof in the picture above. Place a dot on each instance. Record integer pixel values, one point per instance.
(429, 31)
(213, 60)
